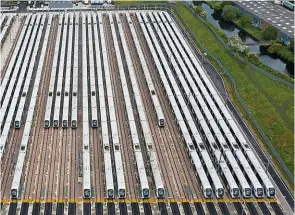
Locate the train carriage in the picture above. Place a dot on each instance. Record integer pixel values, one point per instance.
(74, 119)
(16, 182)
(201, 174)
(218, 188)
(47, 120)
(159, 112)
(21, 106)
(221, 106)
(60, 77)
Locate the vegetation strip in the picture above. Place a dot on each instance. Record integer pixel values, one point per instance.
(233, 15)
(264, 97)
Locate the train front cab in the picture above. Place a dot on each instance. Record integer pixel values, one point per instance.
(16, 124)
(258, 192)
(94, 123)
(247, 193)
(145, 193)
(86, 193)
(235, 193)
(270, 192)
(74, 124)
(65, 123)
(46, 124)
(219, 193)
(14, 193)
(110, 193)
(208, 193)
(161, 122)
(55, 123)
(160, 193)
(122, 193)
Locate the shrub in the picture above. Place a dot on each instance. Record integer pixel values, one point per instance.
(198, 9)
(246, 20)
(281, 50)
(224, 3)
(274, 48)
(270, 33)
(230, 13)
(235, 43)
(203, 14)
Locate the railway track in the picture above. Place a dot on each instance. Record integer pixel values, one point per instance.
(31, 165)
(264, 208)
(150, 113)
(5, 66)
(61, 183)
(191, 189)
(98, 149)
(157, 139)
(136, 116)
(122, 118)
(37, 143)
(38, 128)
(9, 161)
(10, 157)
(52, 163)
(93, 138)
(77, 184)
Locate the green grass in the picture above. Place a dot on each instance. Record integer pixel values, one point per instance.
(289, 111)
(255, 32)
(214, 4)
(262, 95)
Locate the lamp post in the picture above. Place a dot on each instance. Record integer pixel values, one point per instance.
(203, 57)
(268, 163)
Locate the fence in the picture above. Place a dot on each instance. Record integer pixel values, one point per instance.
(170, 8)
(241, 59)
(253, 119)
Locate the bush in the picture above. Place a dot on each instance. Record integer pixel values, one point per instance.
(216, 5)
(197, 3)
(292, 45)
(230, 13)
(203, 14)
(281, 50)
(270, 33)
(274, 48)
(246, 20)
(198, 9)
(235, 43)
(224, 3)
(286, 54)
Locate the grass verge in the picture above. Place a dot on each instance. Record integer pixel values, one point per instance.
(255, 32)
(262, 95)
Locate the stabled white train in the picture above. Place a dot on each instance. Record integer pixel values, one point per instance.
(212, 137)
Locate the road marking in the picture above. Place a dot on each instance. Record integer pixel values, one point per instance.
(226, 200)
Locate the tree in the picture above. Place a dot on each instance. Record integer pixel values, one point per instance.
(230, 13)
(197, 3)
(274, 48)
(203, 14)
(292, 45)
(270, 33)
(198, 9)
(223, 3)
(246, 20)
(236, 42)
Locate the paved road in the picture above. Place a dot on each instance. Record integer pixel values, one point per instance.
(271, 13)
